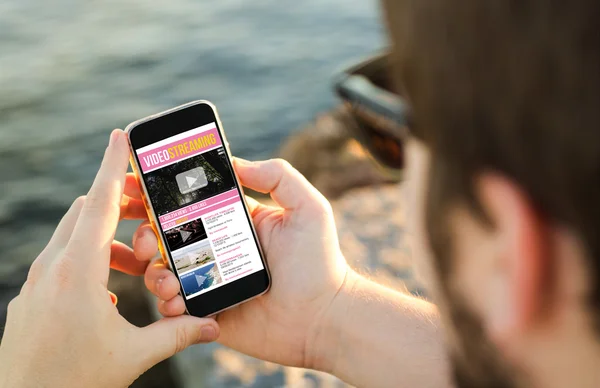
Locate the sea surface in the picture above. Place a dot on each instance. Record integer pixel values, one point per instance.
(72, 70)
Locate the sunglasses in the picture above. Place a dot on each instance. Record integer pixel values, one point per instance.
(380, 115)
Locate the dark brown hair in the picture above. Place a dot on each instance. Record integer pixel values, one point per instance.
(511, 86)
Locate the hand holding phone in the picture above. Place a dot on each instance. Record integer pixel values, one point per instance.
(197, 208)
(299, 239)
(63, 329)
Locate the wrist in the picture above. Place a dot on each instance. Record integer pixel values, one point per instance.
(325, 344)
(6, 374)
(9, 377)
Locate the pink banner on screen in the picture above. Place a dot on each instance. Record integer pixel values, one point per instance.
(198, 209)
(178, 150)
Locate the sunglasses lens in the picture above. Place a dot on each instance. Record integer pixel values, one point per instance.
(378, 138)
(387, 150)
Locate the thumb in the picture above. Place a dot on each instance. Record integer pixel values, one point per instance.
(287, 186)
(165, 338)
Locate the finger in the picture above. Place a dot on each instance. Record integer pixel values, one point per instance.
(172, 307)
(169, 336)
(260, 212)
(58, 241)
(160, 281)
(286, 185)
(96, 226)
(132, 209)
(132, 188)
(145, 243)
(63, 231)
(252, 203)
(123, 259)
(167, 288)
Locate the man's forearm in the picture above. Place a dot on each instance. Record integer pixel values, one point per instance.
(374, 336)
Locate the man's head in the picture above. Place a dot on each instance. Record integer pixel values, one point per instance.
(505, 97)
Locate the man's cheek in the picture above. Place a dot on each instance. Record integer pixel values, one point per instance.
(416, 228)
(424, 263)
(414, 195)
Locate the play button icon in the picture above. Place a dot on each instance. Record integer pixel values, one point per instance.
(185, 235)
(191, 180)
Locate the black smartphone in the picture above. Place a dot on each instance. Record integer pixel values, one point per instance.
(197, 207)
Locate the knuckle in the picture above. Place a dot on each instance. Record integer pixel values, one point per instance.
(322, 209)
(149, 283)
(79, 202)
(27, 286)
(326, 206)
(62, 271)
(13, 304)
(319, 202)
(95, 202)
(35, 271)
(182, 336)
(101, 203)
(282, 164)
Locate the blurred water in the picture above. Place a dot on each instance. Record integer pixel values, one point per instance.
(72, 70)
(70, 67)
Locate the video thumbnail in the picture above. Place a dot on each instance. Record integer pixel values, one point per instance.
(193, 256)
(190, 180)
(200, 279)
(185, 234)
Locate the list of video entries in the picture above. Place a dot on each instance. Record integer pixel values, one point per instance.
(204, 222)
(196, 182)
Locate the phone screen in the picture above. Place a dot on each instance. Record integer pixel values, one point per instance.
(198, 205)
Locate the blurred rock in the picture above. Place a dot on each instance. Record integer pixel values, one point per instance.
(373, 235)
(326, 154)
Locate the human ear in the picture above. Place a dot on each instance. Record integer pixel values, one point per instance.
(518, 279)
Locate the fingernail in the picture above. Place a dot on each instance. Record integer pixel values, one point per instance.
(114, 136)
(136, 236)
(159, 283)
(208, 334)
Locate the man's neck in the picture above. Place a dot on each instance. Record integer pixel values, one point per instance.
(564, 361)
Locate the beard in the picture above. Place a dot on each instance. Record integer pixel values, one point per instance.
(475, 360)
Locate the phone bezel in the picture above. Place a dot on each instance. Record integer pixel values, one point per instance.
(169, 123)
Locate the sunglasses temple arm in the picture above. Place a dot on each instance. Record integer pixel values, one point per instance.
(359, 90)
